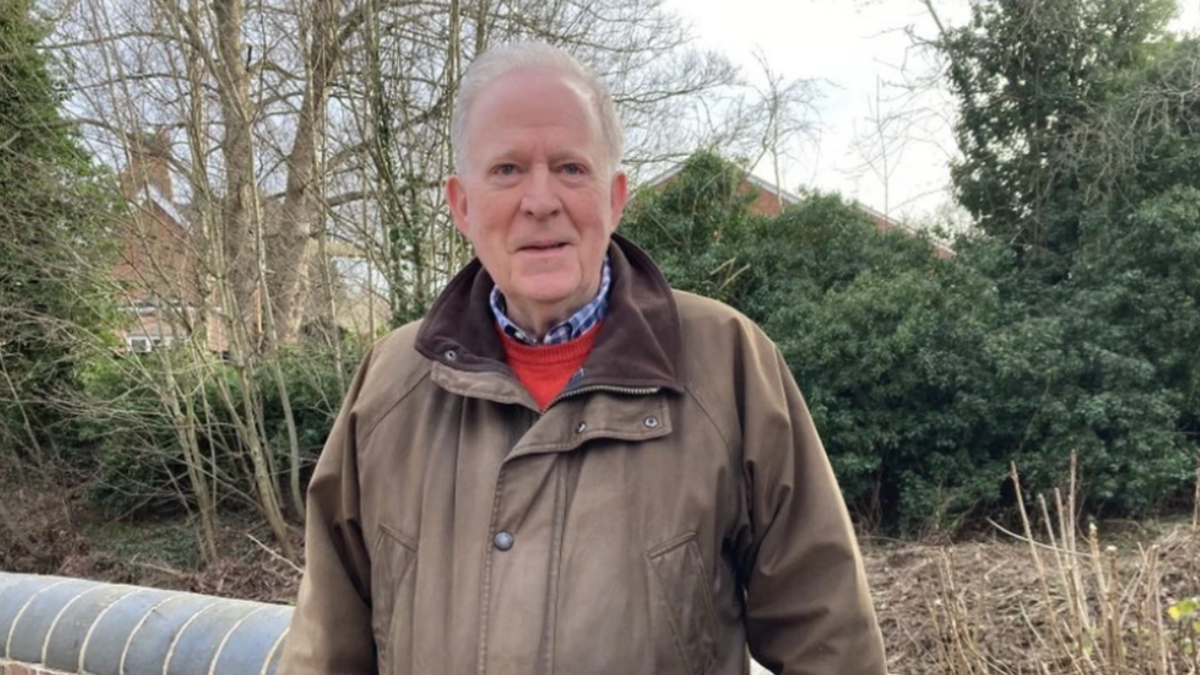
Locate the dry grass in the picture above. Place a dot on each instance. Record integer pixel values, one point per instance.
(1051, 600)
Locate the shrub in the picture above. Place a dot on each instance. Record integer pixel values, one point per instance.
(137, 450)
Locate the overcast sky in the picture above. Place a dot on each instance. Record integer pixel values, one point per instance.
(856, 48)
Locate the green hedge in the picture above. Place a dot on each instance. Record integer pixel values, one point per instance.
(928, 376)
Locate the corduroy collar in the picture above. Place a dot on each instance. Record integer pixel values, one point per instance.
(639, 345)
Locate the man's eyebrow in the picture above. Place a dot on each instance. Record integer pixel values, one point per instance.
(502, 157)
(570, 156)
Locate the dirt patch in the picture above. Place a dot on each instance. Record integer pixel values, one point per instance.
(249, 568)
(989, 607)
(47, 527)
(911, 583)
(37, 525)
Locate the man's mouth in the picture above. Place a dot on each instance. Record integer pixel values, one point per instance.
(547, 246)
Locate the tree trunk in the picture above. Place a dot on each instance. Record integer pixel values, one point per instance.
(301, 208)
(237, 150)
(185, 423)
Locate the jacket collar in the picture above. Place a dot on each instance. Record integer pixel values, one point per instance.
(639, 345)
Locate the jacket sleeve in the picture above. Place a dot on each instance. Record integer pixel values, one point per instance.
(331, 629)
(808, 608)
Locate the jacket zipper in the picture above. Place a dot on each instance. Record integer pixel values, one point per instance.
(591, 389)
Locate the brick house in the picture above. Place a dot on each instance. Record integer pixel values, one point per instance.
(167, 290)
(771, 202)
(157, 265)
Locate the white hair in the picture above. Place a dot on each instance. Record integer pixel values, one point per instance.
(518, 56)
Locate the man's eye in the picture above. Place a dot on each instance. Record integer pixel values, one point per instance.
(505, 169)
(574, 169)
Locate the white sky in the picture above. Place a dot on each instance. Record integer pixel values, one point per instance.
(852, 46)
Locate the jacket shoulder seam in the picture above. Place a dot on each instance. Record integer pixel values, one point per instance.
(368, 428)
(711, 419)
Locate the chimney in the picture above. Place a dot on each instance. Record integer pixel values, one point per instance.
(148, 165)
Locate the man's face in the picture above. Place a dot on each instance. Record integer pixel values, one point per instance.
(537, 197)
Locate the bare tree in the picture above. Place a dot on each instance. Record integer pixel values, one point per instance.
(908, 128)
(308, 141)
(882, 143)
(785, 110)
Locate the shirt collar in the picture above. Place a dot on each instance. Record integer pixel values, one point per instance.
(581, 322)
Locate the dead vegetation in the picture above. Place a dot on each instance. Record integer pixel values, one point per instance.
(47, 527)
(1055, 599)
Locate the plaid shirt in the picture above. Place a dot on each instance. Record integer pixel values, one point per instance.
(582, 321)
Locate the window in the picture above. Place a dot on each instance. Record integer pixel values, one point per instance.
(139, 344)
(145, 344)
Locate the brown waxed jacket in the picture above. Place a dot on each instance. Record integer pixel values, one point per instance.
(672, 507)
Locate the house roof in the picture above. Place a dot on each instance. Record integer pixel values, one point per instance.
(757, 182)
(882, 220)
(151, 194)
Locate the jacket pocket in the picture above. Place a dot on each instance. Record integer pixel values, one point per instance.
(682, 617)
(394, 556)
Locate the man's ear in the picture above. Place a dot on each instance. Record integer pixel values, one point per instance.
(620, 195)
(456, 199)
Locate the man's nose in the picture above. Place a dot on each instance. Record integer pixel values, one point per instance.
(541, 200)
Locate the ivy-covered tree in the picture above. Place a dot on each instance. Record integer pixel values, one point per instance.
(1031, 79)
(1078, 130)
(52, 240)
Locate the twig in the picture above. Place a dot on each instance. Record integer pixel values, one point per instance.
(1026, 540)
(1114, 618)
(162, 568)
(1102, 592)
(1060, 563)
(1051, 614)
(294, 566)
(1072, 518)
(1196, 498)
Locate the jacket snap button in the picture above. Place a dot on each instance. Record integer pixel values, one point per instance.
(503, 541)
(451, 355)
(651, 422)
(581, 427)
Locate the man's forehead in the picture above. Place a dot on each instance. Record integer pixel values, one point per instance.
(527, 90)
(532, 97)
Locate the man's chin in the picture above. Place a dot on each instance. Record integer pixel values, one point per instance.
(545, 298)
(547, 292)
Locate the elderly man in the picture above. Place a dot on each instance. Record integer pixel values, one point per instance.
(568, 467)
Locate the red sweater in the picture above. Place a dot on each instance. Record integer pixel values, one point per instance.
(546, 369)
